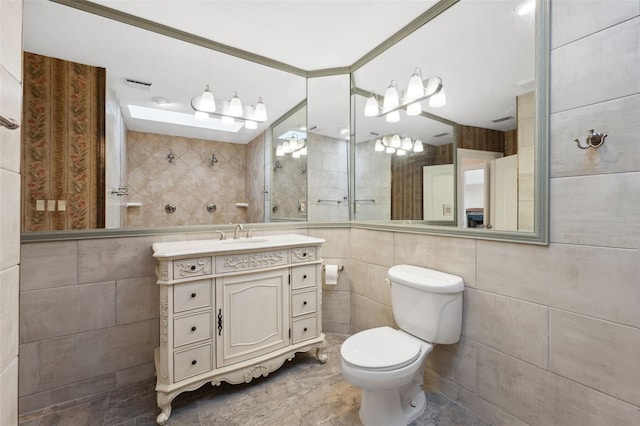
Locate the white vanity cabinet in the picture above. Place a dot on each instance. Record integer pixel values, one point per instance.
(234, 310)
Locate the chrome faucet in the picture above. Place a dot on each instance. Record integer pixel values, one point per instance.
(236, 233)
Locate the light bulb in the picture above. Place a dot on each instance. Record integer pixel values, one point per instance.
(207, 101)
(401, 152)
(261, 111)
(202, 116)
(293, 143)
(414, 109)
(438, 100)
(280, 151)
(415, 89)
(250, 124)
(395, 141)
(371, 108)
(378, 146)
(227, 121)
(391, 98)
(417, 146)
(392, 117)
(407, 144)
(285, 146)
(235, 106)
(389, 150)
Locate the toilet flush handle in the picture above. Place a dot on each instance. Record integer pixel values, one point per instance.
(386, 280)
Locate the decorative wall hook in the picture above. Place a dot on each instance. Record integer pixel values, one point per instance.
(214, 159)
(594, 140)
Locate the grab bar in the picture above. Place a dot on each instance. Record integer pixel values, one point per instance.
(366, 201)
(9, 123)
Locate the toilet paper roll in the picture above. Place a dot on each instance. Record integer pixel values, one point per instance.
(331, 274)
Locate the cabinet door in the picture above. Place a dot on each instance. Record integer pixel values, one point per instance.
(252, 315)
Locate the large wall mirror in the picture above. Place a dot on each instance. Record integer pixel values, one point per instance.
(476, 165)
(465, 156)
(162, 166)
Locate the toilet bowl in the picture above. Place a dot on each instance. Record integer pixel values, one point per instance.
(390, 373)
(388, 364)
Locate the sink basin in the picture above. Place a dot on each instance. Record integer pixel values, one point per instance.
(245, 241)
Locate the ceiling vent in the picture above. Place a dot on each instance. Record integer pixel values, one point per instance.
(137, 84)
(500, 120)
(439, 135)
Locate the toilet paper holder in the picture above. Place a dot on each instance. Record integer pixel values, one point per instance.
(340, 268)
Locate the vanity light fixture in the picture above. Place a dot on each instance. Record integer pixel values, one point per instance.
(417, 91)
(205, 106)
(235, 106)
(394, 144)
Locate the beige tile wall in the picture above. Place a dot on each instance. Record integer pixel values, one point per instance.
(551, 334)
(189, 183)
(10, 106)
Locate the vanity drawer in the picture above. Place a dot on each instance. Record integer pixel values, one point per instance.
(192, 295)
(197, 267)
(303, 254)
(191, 362)
(303, 303)
(304, 329)
(251, 261)
(192, 328)
(303, 276)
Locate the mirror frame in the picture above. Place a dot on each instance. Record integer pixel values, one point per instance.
(541, 178)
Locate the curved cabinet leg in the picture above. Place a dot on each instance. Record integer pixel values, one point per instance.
(321, 353)
(164, 403)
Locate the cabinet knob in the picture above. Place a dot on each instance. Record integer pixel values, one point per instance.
(193, 328)
(193, 295)
(304, 276)
(193, 267)
(304, 303)
(304, 254)
(305, 329)
(194, 362)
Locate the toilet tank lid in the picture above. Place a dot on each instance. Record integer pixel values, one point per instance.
(426, 279)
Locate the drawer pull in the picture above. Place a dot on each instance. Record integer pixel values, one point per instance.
(193, 328)
(194, 362)
(219, 322)
(193, 295)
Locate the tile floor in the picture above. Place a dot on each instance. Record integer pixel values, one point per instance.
(302, 392)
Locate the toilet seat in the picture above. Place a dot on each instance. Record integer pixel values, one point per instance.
(380, 349)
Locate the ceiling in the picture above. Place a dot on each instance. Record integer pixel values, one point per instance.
(309, 35)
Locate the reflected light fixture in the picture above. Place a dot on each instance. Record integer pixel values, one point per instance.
(417, 91)
(207, 101)
(395, 144)
(438, 100)
(391, 99)
(371, 108)
(260, 113)
(205, 106)
(235, 106)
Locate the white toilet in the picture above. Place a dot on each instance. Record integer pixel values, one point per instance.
(388, 364)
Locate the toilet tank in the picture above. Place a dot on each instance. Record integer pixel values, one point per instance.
(427, 303)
